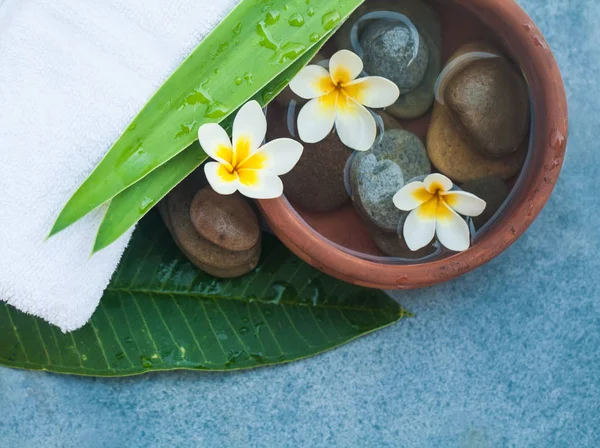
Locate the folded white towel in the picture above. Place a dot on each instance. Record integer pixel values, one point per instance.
(73, 74)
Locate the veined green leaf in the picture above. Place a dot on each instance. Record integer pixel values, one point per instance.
(131, 205)
(250, 47)
(161, 313)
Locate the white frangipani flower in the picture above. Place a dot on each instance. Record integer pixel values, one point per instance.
(434, 206)
(338, 97)
(245, 165)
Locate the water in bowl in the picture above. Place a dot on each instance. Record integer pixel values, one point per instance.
(464, 111)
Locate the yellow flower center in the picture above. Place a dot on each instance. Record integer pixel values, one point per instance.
(340, 90)
(239, 163)
(434, 204)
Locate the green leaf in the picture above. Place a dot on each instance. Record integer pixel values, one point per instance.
(131, 205)
(161, 313)
(250, 47)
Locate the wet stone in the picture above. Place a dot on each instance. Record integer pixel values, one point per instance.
(377, 175)
(415, 100)
(490, 99)
(392, 51)
(374, 184)
(493, 191)
(453, 148)
(455, 157)
(317, 182)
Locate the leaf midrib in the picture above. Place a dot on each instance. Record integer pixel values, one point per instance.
(188, 294)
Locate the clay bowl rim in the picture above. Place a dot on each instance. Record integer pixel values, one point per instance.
(518, 32)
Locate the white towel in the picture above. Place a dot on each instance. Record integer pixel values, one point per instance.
(73, 74)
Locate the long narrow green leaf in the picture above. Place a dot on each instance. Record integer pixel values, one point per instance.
(131, 205)
(250, 47)
(161, 313)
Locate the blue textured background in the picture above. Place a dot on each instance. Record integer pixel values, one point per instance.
(506, 356)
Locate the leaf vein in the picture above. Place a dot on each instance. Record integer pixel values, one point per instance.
(12, 324)
(108, 366)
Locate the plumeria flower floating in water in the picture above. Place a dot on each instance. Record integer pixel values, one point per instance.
(338, 97)
(245, 165)
(434, 206)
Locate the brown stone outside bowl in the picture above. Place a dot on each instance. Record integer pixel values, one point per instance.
(509, 26)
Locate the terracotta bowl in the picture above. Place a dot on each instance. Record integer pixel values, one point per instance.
(332, 241)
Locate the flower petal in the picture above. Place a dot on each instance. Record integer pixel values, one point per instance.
(311, 82)
(438, 183)
(419, 229)
(279, 157)
(215, 142)
(316, 118)
(466, 204)
(220, 179)
(412, 196)
(452, 230)
(355, 125)
(260, 184)
(373, 91)
(345, 66)
(249, 129)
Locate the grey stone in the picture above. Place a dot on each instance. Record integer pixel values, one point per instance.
(377, 175)
(374, 184)
(392, 51)
(406, 150)
(418, 101)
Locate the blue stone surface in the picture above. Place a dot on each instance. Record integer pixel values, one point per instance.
(506, 356)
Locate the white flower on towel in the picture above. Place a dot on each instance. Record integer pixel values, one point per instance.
(434, 206)
(245, 165)
(338, 97)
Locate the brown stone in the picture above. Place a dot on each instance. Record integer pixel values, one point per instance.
(489, 98)
(317, 181)
(456, 158)
(450, 148)
(493, 191)
(206, 255)
(227, 221)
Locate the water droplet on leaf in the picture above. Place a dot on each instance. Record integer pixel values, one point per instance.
(330, 20)
(146, 362)
(272, 17)
(291, 51)
(237, 29)
(266, 39)
(296, 20)
(222, 336)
